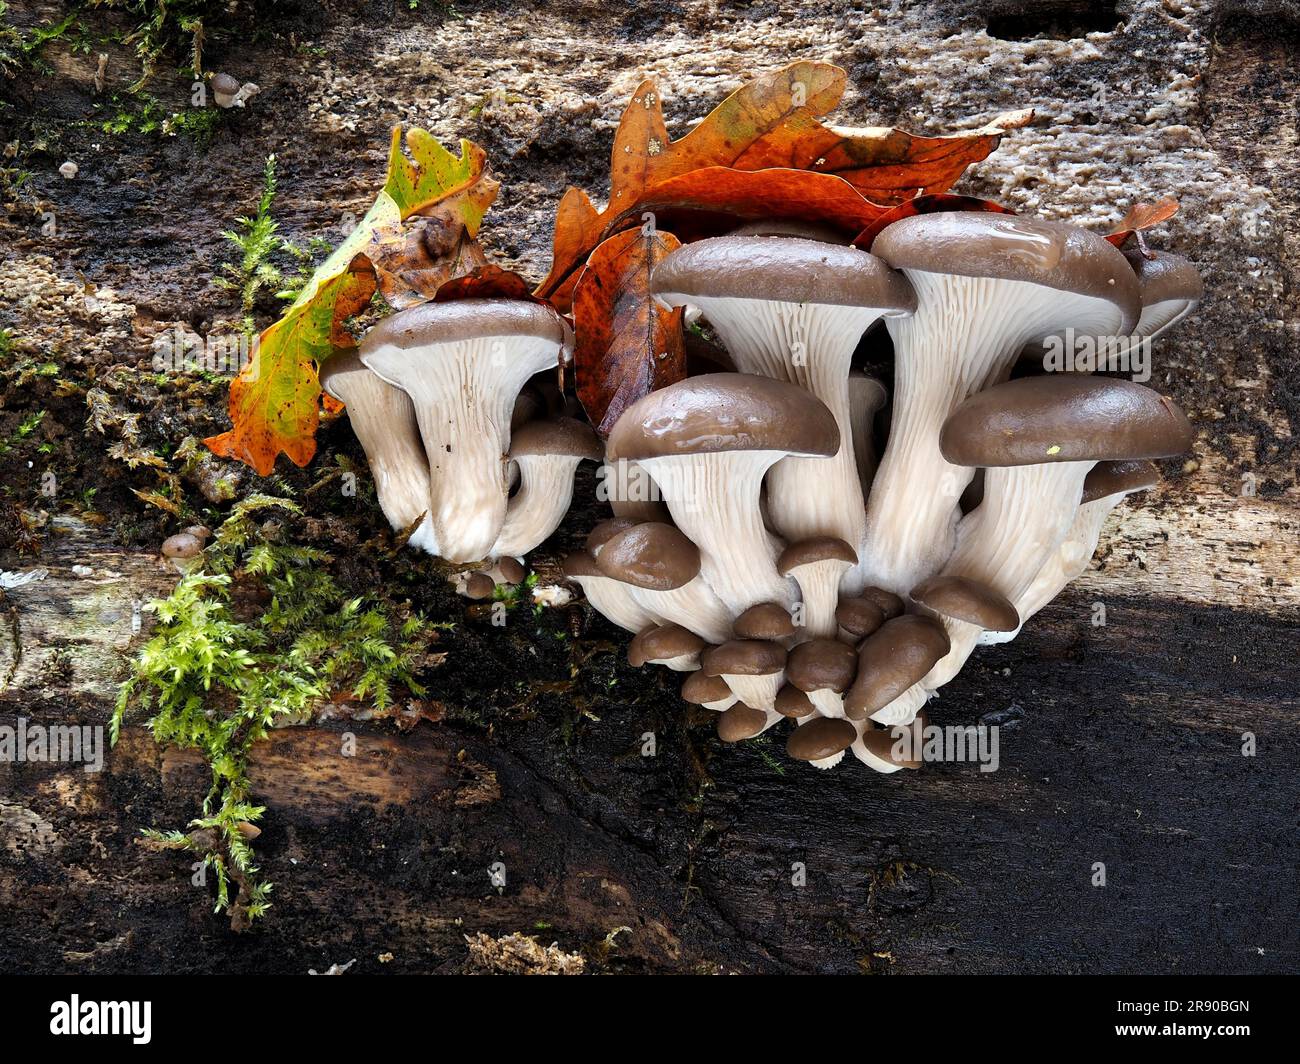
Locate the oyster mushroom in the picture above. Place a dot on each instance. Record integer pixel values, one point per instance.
(893, 659)
(883, 750)
(670, 645)
(823, 669)
(857, 618)
(711, 692)
(383, 420)
(610, 598)
(753, 669)
(547, 454)
(742, 722)
(766, 620)
(821, 741)
(818, 565)
(708, 442)
(793, 310)
(986, 285)
(463, 364)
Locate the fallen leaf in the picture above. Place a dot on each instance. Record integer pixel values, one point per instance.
(485, 282)
(160, 501)
(627, 344)
(1143, 216)
(275, 399)
(935, 204)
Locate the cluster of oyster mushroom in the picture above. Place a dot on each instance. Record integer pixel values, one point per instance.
(793, 574)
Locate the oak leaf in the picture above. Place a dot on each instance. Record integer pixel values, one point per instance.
(1143, 216)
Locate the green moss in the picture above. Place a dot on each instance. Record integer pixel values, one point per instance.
(212, 681)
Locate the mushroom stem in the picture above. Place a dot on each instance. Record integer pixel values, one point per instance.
(693, 605)
(537, 508)
(829, 703)
(737, 553)
(819, 588)
(757, 691)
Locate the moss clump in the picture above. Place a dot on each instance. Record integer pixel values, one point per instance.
(217, 681)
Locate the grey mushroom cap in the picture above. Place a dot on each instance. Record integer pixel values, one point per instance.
(766, 620)
(781, 269)
(811, 551)
(561, 437)
(1064, 417)
(891, 605)
(479, 586)
(650, 555)
(744, 657)
(1165, 276)
(224, 84)
(724, 412)
(183, 545)
(820, 738)
(466, 319)
(881, 742)
(1014, 248)
(967, 600)
(606, 530)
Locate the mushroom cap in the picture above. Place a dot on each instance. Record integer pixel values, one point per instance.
(651, 555)
(822, 665)
(816, 549)
(224, 84)
(724, 412)
(969, 601)
(744, 657)
(700, 687)
(1013, 248)
(606, 530)
(465, 319)
(880, 741)
(782, 269)
(740, 722)
(892, 660)
(1166, 276)
(662, 643)
(512, 572)
(766, 620)
(1063, 417)
(819, 738)
(580, 564)
(791, 702)
(562, 436)
(891, 605)
(479, 586)
(1118, 478)
(182, 545)
(859, 616)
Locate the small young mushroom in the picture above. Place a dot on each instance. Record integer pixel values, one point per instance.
(857, 618)
(821, 741)
(743, 722)
(791, 702)
(986, 285)
(818, 565)
(823, 669)
(547, 454)
(670, 645)
(753, 669)
(463, 364)
(224, 90)
(479, 586)
(895, 747)
(711, 692)
(893, 659)
(383, 420)
(793, 310)
(610, 598)
(765, 620)
(183, 551)
(606, 530)
(708, 442)
(662, 568)
(891, 605)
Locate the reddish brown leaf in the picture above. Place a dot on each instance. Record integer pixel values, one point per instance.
(577, 230)
(485, 282)
(1143, 216)
(627, 344)
(937, 204)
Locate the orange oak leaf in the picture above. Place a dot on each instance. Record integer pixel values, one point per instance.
(627, 344)
(1143, 216)
(485, 282)
(936, 204)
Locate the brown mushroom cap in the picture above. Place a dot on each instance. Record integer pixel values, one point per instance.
(859, 616)
(891, 605)
(766, 620)
(892, 660)
(781, 269)
(1118, 478)
(580, 563)
(724, 412)
(744, 657)
(650, 555)
(1063, 417)
(880, 741)
(224, 84)
(1165, 277)
(740, 722)
(465, 319)
(512, 572)
(562, 436)
(700, 688)
(816, 549)
(607, 530)
(791, 702)
(479, 586)
(820, 738)
(1014, 248)
(183, 545)
(822, 665)
(969, 601)
(662, 643)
